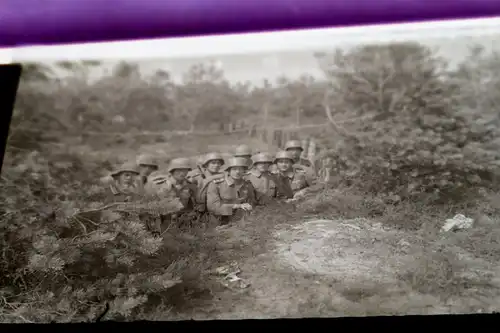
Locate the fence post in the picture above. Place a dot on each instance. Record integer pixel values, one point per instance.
(270, 135)
(305, 147)
(264, 135)
(278, 136)
(253, 131)
(311, 152)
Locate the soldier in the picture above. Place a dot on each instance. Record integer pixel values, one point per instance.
(245, 152)
(209, 169)
(262, 180)
(229, 196)
(124, 183)
(175, 185)
(296, 149)
(292, 179)
(147, 165)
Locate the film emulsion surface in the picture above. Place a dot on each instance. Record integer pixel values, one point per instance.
(342, 181)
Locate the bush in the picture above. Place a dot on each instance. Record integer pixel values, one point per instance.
(419, 139)
(66, 253)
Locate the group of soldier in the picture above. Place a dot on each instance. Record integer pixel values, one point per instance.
(219, 188)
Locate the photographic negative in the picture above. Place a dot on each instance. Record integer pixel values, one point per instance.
(351, 178)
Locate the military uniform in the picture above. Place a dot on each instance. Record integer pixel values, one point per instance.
(296, 178)
(265, 184)
(304, 163)
(200, 177)
(165, 185)
(148, 162)
(291, 181)
(223, 194)
(120, 192)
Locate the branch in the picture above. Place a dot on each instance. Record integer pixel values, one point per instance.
(328, 112)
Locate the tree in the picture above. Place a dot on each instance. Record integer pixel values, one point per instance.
(205, 96)
(417, 140)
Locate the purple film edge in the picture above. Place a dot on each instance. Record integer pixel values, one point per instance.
(71, 21)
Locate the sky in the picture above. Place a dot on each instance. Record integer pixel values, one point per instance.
(257, 67)
(255, 57)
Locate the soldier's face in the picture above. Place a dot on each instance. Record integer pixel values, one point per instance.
(284, 164)
(262, 167)
(214, 166)
(237, 172)
(296, 152)
(127, 178)
(180, 174)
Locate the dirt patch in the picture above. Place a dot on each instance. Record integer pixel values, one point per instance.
(353, 251)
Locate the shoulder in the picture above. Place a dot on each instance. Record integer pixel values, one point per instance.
(215, 181)
(193, 173)
(216, 176)
(299, 168)
(300, 171)
(249, 175)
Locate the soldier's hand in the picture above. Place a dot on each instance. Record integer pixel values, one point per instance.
(246, 207)
(299, 195)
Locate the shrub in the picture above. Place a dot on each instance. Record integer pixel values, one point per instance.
(65, 253)
(419, 138)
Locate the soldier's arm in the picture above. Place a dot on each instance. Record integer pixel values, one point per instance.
(214, 202)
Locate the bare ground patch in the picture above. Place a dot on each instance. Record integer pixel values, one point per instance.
(355, 267)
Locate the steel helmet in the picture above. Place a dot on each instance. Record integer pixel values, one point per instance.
(147, 160)
(125, 167)
(237, 162)
(179, 163)
(262, 158)
(293, 144)
(243, 150)
(213, 157)
(283, 155)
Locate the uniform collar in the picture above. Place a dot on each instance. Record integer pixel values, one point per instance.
(256, 173)
(230, 181)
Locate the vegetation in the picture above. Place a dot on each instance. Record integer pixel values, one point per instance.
(426, 139)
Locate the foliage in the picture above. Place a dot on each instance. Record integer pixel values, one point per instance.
(421, 138)
(65, 252)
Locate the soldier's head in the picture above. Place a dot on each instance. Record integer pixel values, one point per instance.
(179, 168)
(243, 151)
(126, 174)
(236, 167)
(284, 160)
(295, 148)
(213, 162)
(147, 164)
(262, 161)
